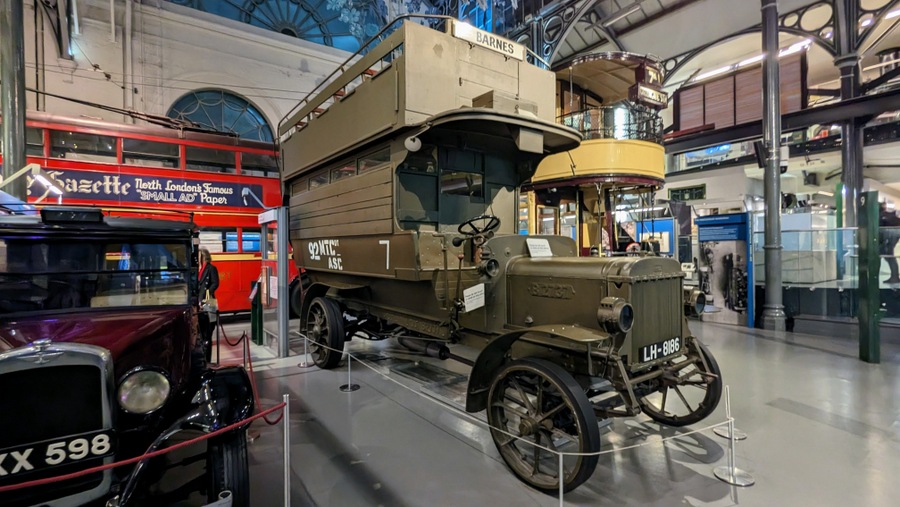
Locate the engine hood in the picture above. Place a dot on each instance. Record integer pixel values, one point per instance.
(615, 269)
(147, 337)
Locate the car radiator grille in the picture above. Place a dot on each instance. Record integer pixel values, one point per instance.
(658, 311)
(46, 402)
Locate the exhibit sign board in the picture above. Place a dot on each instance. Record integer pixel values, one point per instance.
(725, 267)
(661, 231)
(468, 33)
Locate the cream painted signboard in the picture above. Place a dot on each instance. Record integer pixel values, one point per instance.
(469, 33)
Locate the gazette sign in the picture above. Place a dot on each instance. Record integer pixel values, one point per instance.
(137, 189)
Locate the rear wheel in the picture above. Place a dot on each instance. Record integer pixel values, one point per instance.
(689, 391)
(541, 403)
(325, 330)
(227, 468)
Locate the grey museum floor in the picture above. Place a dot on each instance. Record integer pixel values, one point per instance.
(824, 429)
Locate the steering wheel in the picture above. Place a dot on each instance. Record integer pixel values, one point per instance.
(492, 225)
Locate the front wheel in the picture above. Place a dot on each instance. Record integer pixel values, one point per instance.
(688, 390)
(542, 404)
(227, 468)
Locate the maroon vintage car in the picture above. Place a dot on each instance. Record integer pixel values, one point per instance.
(98, 358)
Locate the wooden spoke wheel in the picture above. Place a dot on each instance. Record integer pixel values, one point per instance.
(325, 330)
(542, 404)
(688, 391)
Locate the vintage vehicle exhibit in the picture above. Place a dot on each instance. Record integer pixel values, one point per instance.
(98, 363)
(224, 181)
(404, 174)
(599, 191)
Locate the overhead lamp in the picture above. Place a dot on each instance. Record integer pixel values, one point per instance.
(48, 184)
(795, 48)
(751, 61)
(621, 14)
(626, 209)
(893, 14)
(43, 177)
(246, 192)
(712, 73)
(829, 194)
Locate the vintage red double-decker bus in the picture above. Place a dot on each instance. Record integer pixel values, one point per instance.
(224, 182)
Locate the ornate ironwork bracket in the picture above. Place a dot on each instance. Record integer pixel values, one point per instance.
(59, 15)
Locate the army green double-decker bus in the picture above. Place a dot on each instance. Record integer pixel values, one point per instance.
(403, 172)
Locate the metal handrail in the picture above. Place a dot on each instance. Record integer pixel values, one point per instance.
(817, 230)
(341, 68)
(639, 124)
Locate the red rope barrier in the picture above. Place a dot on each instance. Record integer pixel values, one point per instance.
(246, 350)
(101, 468)
(242, 338)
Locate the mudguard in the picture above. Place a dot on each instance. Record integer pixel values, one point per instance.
(225, 396)
(496, 353)
(320, 290)
(231, 393)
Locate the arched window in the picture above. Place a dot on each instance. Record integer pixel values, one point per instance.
(222, 111)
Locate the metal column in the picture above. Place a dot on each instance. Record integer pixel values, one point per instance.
(12, 93)
(846, 15)
(281, 271)
(278, 285)
(773, 311)
(870, 311)
(851, 141)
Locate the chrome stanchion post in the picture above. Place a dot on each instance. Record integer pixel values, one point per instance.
(218, 337)
(305, 363)
(245, 347)
(730, 473)
(727, 431)
(562, 479)
(349, 387)
(286, 417)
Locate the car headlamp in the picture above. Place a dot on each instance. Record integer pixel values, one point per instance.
(143, 391)
(694, 302)
(615, 315)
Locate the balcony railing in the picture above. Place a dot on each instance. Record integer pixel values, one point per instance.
(616, 122)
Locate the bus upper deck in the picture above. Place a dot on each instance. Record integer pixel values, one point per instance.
(221, 181)
(447, 130)
(413, 74)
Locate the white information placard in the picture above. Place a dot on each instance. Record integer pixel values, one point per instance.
(662, 237)
(539, 247)
(473, 297)
(273, 287)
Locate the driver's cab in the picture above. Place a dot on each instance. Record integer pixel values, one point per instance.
(456, 191)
